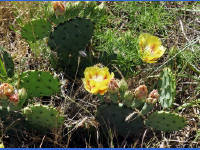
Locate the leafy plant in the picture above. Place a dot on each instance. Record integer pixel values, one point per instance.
(6, 64)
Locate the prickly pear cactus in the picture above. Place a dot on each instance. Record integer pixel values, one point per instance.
(71, 36)
(35, 30)
(165, 121)
(167, 86)
(43, 117)
(39, 83)
(115, 117)
(68, 39)
(7, 62)
(124, 112)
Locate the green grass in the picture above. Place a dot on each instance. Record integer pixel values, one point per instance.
(117, 27)
(126, 21)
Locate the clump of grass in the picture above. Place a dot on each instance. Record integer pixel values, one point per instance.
(143, 17)
(126, 21)
(123, 46)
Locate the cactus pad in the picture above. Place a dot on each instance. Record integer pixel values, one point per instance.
(167, 85)
(35, 30)
(8, 62)
(113, 116)
(39, 83)
(148, 107)
(43, 117)
(71, 36)
(68, 39)
(165, 121)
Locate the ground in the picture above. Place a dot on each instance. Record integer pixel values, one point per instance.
(114, 44)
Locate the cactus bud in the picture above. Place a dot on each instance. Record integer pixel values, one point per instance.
(123, 86)
(113, 86)
(128, 98)
(151, 100)
(154, 94)
(153, 97)
(14, 98)
(141, 92)
(2, 95)
(6, 89)
(58, 7)
(22, 93)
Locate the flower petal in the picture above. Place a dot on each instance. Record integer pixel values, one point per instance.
(150, 48)
(97, 79)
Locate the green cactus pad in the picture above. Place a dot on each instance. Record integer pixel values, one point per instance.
(71, 36)
(39, 83)
(35, 30)
(166, 121)
(112, 116)
(148, 107)
(43, 117)
(8, 62)
(68, 39)
(167, 86)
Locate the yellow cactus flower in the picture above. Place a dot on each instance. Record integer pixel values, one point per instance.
(150, 48)
(97, 79)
